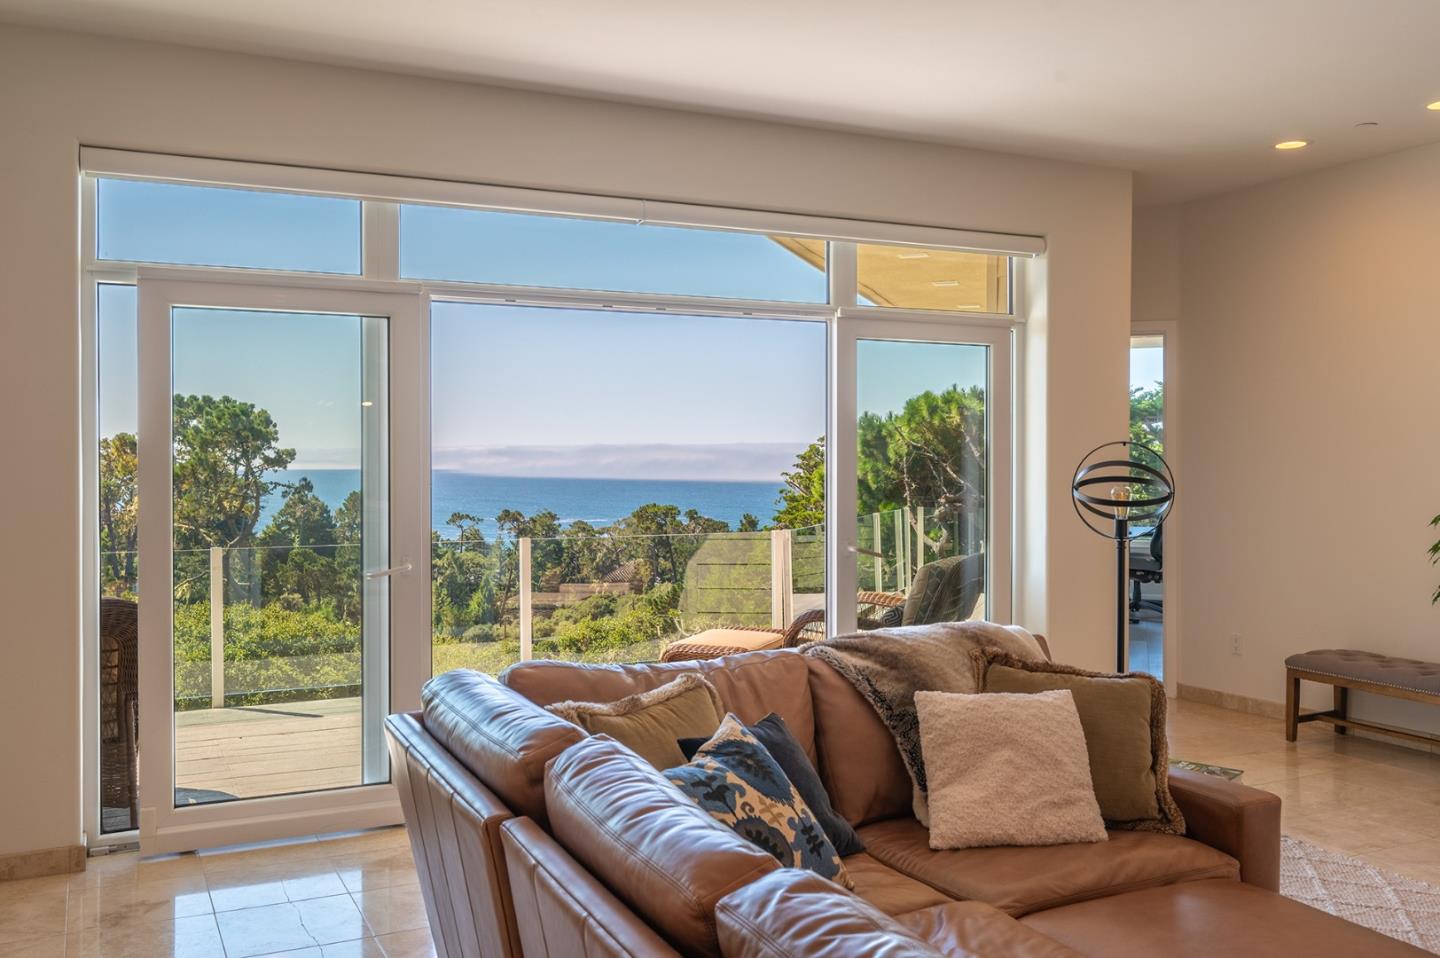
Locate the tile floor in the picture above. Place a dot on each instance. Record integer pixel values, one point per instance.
(1369, 798)
(358, 896)
(354, 896)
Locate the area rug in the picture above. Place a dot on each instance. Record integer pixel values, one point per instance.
(1357, 891)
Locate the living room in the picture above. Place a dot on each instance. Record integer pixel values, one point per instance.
(351, 284)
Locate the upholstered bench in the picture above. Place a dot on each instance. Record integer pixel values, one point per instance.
(1347, 669)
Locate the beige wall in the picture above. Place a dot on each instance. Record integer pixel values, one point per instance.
(1155, 274)
(58, 91)
(1310, 365)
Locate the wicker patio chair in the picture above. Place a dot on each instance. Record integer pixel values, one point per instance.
(945, 590)
(119, 706)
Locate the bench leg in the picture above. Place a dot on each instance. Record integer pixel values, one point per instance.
(1292, 704)
(1342, 707)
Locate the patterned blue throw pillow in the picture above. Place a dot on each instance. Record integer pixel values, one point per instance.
(735, 779)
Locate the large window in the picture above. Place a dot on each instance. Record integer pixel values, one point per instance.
(478, 246)
(625, 427)
(147, 222)
(911, 277)
(635, 470)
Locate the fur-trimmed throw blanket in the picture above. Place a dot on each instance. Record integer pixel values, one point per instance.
(888, 666)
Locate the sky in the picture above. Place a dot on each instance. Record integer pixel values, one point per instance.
(516, 390)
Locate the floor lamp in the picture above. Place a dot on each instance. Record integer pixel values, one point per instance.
(1122, 490)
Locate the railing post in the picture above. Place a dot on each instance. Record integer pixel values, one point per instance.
(782, 578)
(525, 641)
(217, 627)
(919, 537)
(879, 558)
(902, 549)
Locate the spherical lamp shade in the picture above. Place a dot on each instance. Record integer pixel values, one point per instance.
(1126, 481)
(1122, 490)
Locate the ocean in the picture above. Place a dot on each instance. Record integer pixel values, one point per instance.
(597, 501)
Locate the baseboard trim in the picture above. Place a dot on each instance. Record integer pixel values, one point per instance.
(42, 862)
(1229, 700)
(1276, 710)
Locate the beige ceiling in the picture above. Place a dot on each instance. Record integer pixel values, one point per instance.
(1191, 95)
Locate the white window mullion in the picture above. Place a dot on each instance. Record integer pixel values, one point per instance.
(380, 240)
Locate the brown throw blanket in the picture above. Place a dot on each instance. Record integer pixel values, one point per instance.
(888, 666)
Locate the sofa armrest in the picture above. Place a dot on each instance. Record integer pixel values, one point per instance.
(1241, 821)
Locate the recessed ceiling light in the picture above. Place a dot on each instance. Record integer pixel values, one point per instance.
(1292, 144)
(1433, 106)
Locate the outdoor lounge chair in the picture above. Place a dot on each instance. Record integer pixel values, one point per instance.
(945, 590)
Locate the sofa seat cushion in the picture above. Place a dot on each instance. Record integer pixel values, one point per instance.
(751, 685)
(1206, 918)
(1022, 880)
(887, 889)
(974, 927)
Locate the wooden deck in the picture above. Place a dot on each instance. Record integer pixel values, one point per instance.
(267, 750)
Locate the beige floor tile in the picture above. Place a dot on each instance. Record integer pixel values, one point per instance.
(32, 913)
(397, 908)
(408, 944)
(194, 937)
(50, 946)
(291, 925)
(376, 869)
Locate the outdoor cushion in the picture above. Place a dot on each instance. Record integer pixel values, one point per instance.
(738, 782)
(775, 736)
(1412, 674)
(650, 722)
(1021, 880)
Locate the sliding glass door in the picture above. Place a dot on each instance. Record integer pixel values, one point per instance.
(278, 441)
(921, 473)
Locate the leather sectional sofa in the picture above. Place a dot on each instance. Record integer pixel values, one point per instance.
(533, 839)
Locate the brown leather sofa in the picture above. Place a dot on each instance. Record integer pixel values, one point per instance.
(533, 839)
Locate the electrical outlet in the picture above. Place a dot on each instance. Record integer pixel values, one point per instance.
(1235, 648)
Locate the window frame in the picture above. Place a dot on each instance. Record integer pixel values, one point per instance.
(382, 196)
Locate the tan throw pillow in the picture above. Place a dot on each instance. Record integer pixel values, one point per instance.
(1123, 716)
(1006, 770)
(651, 723)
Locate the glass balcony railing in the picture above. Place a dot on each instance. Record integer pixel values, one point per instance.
(623, 598)
(259, 625)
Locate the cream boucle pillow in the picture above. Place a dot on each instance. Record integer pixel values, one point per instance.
(1006, 769)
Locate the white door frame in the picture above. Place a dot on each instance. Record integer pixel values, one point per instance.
(164, 828)
(851, 325)
(1169, 332)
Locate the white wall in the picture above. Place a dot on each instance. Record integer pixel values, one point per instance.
(58, 91)
(1310, 366)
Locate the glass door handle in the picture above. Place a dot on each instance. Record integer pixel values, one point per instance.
(401, 569)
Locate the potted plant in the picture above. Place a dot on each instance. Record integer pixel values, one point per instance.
(1435, 559)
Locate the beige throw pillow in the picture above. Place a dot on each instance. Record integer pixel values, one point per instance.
(1006, 770)
(1123, 716)
(652, 723)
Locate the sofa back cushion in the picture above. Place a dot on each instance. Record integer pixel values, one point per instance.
(503, 738)
(751, 685)
(859, 761)
(793, 912)
(649, 844)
